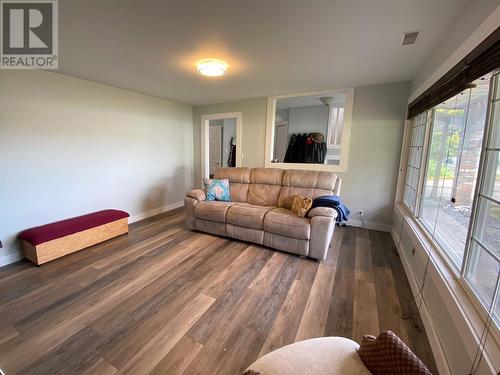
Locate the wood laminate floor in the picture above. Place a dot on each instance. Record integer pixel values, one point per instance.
(165, 300)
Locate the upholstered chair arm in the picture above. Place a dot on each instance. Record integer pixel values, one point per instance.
(197, 194)
(322, 211)
(338, 184)
(322, 228)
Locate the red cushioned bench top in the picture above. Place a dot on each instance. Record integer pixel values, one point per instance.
(49, 232)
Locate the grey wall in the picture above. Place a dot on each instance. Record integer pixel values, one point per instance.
(377, 128)
(308, 119)
(376, 134)
(70, 147)
(254, 130)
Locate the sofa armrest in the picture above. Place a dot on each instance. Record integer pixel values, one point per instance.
(322, 228)
(338, 184)
(323, 211)
(197, 194)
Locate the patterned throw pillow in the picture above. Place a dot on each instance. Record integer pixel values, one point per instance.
(388, 355)
(217, 190)
(301, 205)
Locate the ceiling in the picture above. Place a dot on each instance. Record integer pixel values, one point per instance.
(339, 99)
(272, 46)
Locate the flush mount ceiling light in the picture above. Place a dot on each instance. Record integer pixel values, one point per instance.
(212, 68)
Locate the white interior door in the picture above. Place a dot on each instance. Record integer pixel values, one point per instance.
(281, 141)
(215, 148)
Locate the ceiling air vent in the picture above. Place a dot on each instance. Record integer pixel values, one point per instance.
(409, 38)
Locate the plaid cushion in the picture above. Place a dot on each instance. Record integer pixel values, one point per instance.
(217, 190)
(388, 355)
(301, 205)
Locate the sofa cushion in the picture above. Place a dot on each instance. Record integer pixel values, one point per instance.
(263, 195)
(265, 186)
(309, 179)
(309, 184)
(212, 210)
(239, 178)
(247, 215)
(268, 176)
(234, 175)
(289, 192)
(283, 222)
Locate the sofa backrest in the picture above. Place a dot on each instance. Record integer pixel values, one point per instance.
(239, 179)
(277, 187)
(309, 184)
(265, 186)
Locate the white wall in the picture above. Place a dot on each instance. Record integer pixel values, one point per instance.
(376, 131)
(70, 147)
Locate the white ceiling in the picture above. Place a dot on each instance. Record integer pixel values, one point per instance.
(272, 46)
(339, 99)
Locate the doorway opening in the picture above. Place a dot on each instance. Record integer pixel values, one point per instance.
(221, 142)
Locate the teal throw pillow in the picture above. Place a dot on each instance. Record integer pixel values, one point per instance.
(217, 190)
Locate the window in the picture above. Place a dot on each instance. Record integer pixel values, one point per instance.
(459, 188)
(414, 160)
(452, 167)
(335, 124)
(483, 265)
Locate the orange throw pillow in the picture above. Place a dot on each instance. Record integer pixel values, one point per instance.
(301, 205)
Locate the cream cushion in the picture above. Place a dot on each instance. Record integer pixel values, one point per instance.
(320, 356)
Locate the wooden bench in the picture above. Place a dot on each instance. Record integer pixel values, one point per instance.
(48, 242)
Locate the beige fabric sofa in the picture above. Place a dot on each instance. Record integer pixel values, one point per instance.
(260, 209)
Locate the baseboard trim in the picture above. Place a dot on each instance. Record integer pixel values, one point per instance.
(369, 225)
(11, 258)
(155, 211)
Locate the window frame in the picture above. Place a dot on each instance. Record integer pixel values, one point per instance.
(495, 80)
(459, 271)
(418, 192)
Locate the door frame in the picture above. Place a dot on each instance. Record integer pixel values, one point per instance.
(205, 156)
